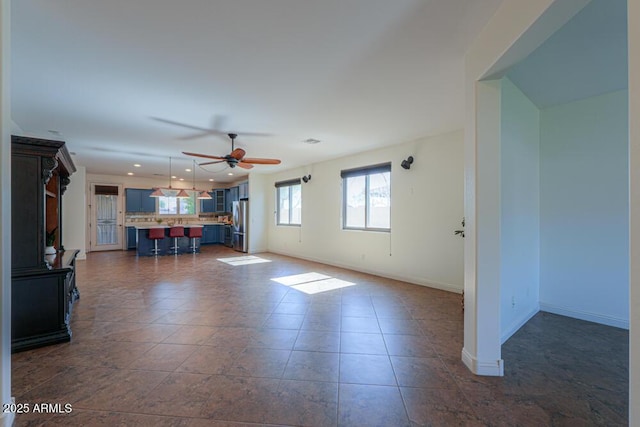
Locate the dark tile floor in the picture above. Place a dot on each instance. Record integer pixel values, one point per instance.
(194, 341)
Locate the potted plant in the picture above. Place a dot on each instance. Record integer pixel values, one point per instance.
(50, 241)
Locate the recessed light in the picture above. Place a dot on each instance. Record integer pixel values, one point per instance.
(181, 179)
(230, 174)
(129, 173)
(173, 177)
(311, 141)
(187, 170)
(211, 179)
(136, 165)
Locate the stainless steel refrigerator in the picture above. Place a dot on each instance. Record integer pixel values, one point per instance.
(240, 217)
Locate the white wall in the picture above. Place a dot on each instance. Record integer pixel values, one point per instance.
(585, 209)
(6, 419)
(74, 224)
(427, 206)
(520, 209)
(258, 193)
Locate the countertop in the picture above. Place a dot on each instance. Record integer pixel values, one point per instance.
(165, 225)
(146, 227)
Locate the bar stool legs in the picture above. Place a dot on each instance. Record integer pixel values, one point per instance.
(156, 234)
(194, 233)
(176, 232)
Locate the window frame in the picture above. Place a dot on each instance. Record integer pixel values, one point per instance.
(288, 184)
(365, 171)
(193, 195)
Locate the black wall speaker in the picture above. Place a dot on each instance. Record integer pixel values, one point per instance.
(406, 164)
(306, 178)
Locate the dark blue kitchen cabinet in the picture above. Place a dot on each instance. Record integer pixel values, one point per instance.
(131, 237)
(207, 234)
(217, 203)
(220, 202)
(212, 234)
(232, 196)
(243, 190)
(138, 200)
(208, 205)
(219, 234)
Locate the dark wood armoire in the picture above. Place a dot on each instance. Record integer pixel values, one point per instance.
(43, 286)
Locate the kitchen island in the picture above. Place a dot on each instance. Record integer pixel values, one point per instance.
(144, 245)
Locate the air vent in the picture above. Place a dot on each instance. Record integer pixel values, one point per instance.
(311, 141)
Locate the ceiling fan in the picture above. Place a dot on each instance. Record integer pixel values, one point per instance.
(235, 158)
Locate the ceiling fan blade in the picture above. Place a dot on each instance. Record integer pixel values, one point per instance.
(184, 125)
(253, 134)
(201, 135)
(258, 161)
(244, 165)
(210, 163)
(238, 153)
(206, 156)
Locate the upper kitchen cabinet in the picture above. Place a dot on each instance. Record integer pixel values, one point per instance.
(243, 190)
(233, 195)
(139, 200)
(219, 197)
(208, 205)
(217, 203)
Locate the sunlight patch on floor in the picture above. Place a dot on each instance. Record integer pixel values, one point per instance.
(243, 260)
(312, 283)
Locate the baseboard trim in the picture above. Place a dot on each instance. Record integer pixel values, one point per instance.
(489, 368)
(257, 251)
(416, 281)
(7, 418)
(584, 315)
(519, 323)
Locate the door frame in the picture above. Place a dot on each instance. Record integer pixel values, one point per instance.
(91, 220)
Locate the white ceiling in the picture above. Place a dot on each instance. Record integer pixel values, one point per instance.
(111, 76)
(584, 58)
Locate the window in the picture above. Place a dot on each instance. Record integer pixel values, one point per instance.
(171, 205)
(289, 199)
(367, 198)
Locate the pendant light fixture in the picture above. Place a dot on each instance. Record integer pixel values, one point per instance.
(182, 194)
(157, 192)
(202, 195)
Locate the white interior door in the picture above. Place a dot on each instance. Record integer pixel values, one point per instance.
(106, 217)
